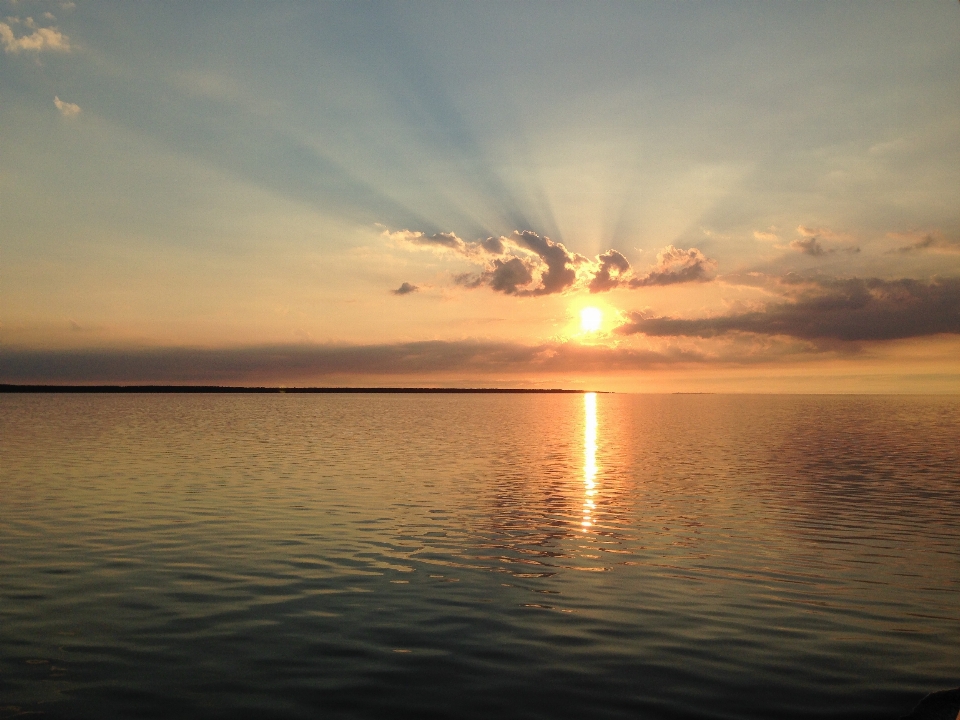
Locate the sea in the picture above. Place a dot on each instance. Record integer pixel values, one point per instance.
(579, 556)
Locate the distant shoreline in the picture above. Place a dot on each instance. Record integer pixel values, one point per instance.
(5, 388)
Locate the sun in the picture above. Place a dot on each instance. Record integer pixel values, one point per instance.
(590, 319)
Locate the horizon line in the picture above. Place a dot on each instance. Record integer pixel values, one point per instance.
(12, 388)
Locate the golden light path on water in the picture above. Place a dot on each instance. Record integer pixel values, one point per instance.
(589, 457)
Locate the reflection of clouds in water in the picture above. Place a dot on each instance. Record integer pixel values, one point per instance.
(589, 458)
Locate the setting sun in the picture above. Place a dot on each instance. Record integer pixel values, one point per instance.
(590, 319)
(480, 342)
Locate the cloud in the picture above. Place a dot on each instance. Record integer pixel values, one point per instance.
(504, 276)
(673, 266)
(820, 232)
(559, 273)
(67, 109)
(933, 242)
(324, 364)
(810, 246)
(447, 240)
(405, 289)
(766, 236)
(512, 264)
(493, 245)
(613, 267)
(441, 241)
(677, 266)
(509, 263)
(811, 232)
(41, 39)
(855, 309)
(921, 244)
(507, 275)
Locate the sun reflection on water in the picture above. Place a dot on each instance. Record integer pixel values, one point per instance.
(589, 458)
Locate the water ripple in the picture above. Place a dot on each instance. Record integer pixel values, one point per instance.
(469, 556)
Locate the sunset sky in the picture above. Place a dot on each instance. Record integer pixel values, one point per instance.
(751, 196)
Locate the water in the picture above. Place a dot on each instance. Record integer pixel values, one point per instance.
(477, 556)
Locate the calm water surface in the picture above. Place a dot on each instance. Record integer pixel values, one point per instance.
(477, 556)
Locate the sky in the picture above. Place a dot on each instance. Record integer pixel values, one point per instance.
(745, 196)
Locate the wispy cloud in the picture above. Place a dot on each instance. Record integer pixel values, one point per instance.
(41, 39)
(66, 109)
(855, 309)
(443, 243)
(441, 240)
(933, 242)
(811, 245)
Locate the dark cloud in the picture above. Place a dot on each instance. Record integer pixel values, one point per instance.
(677, 266)
(930, 242)
(471, 280)
(921, 244)
(613, 267)
(502, 275)
(810, 246)
(674, 265)
(560, 273)
(405, 289)
(513, 266)
(442, 238)
(848, 310)
(508, 274)
(493, 245)
(321, 364)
